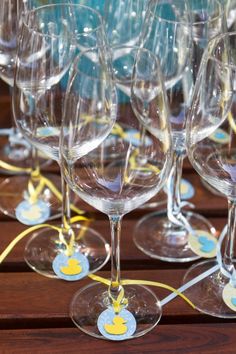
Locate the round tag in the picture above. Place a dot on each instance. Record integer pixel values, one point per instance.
(133, 136)
(229, 296)
(220, 136)
(32, 213)
(186, 189)
(203, 244)
(116, 326)
(48, 131)
(72, 267)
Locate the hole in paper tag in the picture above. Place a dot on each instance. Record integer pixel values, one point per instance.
(32, 213)
(229, 296)
(203, 244)
(72, 267)
(114, 326)
(220, 136)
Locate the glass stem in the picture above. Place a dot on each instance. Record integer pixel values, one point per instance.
(65, 190)
(173, 189)
(115, 287)
(13, 123)
(34, 159)
(230, 240)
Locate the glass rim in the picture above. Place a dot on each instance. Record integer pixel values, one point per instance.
(26, 14)
(74, 67)
(136, 48)
(187, 23)
(212, 45)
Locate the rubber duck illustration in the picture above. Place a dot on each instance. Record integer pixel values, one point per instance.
(33, 213)
(72, 268)
(118, 326)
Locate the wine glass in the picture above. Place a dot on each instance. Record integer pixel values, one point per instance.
(123, 21)
(50, 37)
(16, 151)
(177, 33)
(213, 107)
(116, 186)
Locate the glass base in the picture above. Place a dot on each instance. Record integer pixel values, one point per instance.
(206, 295)
(18, 155)
(12, 191)
(211, 188)
(158, 202)
(44, 245)
(159, 238)
(90, 301)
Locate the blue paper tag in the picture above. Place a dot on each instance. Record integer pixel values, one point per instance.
(203, 243)
(133, 137)
(32, 213)
(116, 326)
(220, 136)
(48, 131)
(72, 267)
(186, 189)
(229, 296)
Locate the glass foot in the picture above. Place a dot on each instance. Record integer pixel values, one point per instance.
(159, 238)
(211, 188)
(206, 295)
(44, 245)
(18, 155)
(90, 301)
(158, 202)
(12, 191)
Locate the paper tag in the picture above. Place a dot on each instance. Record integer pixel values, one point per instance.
(203, 244)
(116, 326)
(32, 213)
(220, 136)
(186, 189)
(133, 137)
(48, 131)
(229, 296)
(72, 267)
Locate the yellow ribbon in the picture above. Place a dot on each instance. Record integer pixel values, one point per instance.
(121, 300)
(118, 130)
(232, 122)
(31, 229)
(7, 166)
(117, 303)
(42, 181)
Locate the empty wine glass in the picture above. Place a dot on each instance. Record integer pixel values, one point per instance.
(177, 33)
(116, 186)
(123, 21)
(49, 39)
(15, 150)
(213, 108)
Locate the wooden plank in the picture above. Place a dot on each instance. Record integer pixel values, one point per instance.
(186, 339)
(29, 300)
(131, 256)
(205, 202)
(29, 297)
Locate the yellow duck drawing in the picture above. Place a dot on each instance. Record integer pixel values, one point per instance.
(118, 326)
(72, 268)
(33, 213)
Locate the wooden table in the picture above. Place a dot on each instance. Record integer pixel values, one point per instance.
(34, 309)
